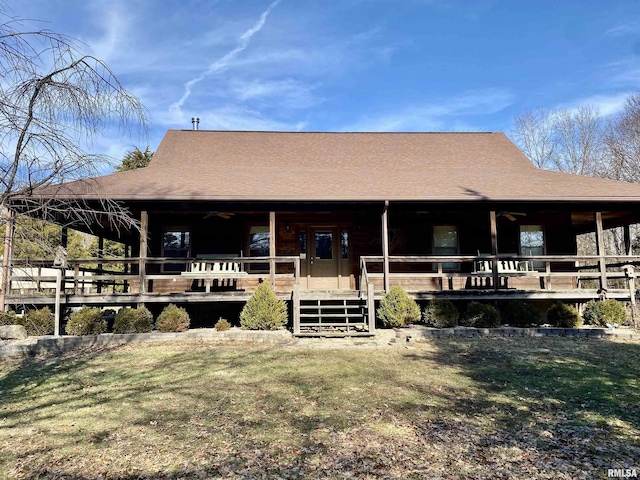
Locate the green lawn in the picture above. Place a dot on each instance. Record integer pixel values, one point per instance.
(451, 408)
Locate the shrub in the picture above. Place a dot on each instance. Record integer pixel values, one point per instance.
(8, 318)
(133, 320)
(86, 321)
(607, 311)
(480, 315)
(520, 314)
(38, 322)
(263, 310)
(397, 309)
(441, 314)
(173, 319)
(222, 325)
(562, 315)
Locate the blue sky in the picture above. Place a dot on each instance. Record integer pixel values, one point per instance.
(354, 65)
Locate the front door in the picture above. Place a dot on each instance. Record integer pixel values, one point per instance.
(324, 254)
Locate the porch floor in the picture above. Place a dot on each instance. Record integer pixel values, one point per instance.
(580, 295)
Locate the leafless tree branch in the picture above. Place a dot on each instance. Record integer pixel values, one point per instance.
(54, 103)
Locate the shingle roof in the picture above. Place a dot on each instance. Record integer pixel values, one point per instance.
(286, 166)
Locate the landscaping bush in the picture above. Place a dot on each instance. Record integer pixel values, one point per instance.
(173, 319)
(397, 309)
(607, 311)
(133, 320)
(86, 321)
(562, 315)
(520, 314)
(8, 318)
(480, 315)
(222, 325)
(441, 314)
(38, 322)
(263, 310)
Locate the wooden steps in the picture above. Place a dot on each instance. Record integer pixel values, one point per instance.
(333, 314)
(335, 334)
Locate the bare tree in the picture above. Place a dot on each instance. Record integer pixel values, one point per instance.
(533, 132)
(580, 140)
(54, 103)
(622, 140)
(570, 141)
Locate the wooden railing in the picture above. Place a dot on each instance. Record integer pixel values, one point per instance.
(118, 275)
(423, 272)
(80, 277)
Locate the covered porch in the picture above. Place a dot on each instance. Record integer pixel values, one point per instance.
(332, 262)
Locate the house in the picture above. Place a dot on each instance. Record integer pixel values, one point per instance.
(335, 219)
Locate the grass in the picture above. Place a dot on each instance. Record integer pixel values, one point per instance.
(452, 408)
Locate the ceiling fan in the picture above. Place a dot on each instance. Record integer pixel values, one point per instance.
(224, 215)
(511, 215)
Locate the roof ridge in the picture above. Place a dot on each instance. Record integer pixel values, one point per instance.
(334, 133)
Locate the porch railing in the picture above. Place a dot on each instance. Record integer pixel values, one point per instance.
(91, 276)
(438, 273)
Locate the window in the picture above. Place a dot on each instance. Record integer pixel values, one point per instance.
(302, 239)
(176, 243)
(324, 245)
(532, 242)
(344, 239)
(259, 246)
(445, 242)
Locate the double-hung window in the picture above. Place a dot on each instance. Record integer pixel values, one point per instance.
(176, 243)
(532, 242)
(259, 246)
(445, 242)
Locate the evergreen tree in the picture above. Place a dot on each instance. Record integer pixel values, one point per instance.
(136, 158)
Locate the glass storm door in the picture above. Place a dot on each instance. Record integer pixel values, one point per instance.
(324, 253)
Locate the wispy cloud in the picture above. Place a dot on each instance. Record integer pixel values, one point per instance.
(115, 28)
(436, 115)
(605, 104)
(110, 32)
(234, 117)
(624, 72)
(623, 29)
(294, 93)
(224, 62)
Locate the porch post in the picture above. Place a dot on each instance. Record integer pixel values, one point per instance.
(628, 249)
(494, 248)
(296, 297)
(371, 308)
(385, 244)
(64, 237)
(602, 264)
(6, 259)
(142, 270)
(295, 307)
(127, 254)
(56, 310)
(100, 255)
(272, 249)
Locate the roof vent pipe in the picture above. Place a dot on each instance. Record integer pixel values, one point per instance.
(195, 121)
